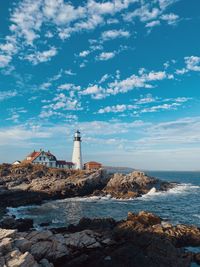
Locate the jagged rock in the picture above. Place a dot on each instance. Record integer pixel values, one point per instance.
(96, 223)
(40, 249)
(2, 261)
(148, 218)
(31, 184)
(5, 245)
(132, 185)
(85, 238)
(19, 224)
(35, 236)
(17, 259)
(7, 233)
(50, 250)
(141, 240)
(23, 244)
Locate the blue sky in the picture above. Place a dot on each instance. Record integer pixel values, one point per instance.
(124, 72)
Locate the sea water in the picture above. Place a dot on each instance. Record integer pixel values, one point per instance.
(178, 205)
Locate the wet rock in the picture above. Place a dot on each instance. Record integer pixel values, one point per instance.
(93, 224)
(132, 185)
(35, 236)
(26, 184)
(23, 244)
(85, 238)
(197, 258)
(41, 249)
(5, 245)
(44, 224)
(19, 224)
(141, 240)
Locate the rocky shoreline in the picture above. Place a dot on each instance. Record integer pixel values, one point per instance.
(141, 240)
(31, 184)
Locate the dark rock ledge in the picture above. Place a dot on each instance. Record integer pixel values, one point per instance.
(139, 241)
(31, 184)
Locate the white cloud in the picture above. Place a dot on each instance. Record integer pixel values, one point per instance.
(4, 60)
(171, 18)
(135, 81)
(39, 57)
(143, 80)
(172, 106)
(7, 94)
(165, 3)
(94, 90)
(112, 21)
(146, 100)
(104, 78)
(20, 134)
(116, 109)
(69, 86)
(113, 34)
(84, 53)
(193, 63)
(61, 102)
(45, 86)
(29, 19)
(70, 72)
(142, 105)
(181, 71)
(144, 13)
(14, 118)
(152, 24)
(106, 56)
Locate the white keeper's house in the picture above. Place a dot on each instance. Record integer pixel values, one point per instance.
(47, 159)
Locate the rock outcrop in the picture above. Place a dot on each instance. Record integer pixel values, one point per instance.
(133, 185)
(141, 240)
(31, 184)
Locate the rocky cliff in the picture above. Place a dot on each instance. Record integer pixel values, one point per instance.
(28, 184)
(133, 185)
(139, 241)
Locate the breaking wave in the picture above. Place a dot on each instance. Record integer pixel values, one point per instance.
(177, 205)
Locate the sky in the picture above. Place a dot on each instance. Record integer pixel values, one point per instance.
(126, 73)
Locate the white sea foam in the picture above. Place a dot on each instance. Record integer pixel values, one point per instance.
(184, 189)
(197, 216)
(178, 189)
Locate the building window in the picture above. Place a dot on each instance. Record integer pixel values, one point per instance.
(40, 158)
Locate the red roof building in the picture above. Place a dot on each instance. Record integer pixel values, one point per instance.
(47, 159)
(92, 165)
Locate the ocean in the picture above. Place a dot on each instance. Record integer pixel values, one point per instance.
(178, 205)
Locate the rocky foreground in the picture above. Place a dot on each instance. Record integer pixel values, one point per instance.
(139, 241)
(31, 184)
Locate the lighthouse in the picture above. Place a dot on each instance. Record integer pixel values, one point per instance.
(77, 156)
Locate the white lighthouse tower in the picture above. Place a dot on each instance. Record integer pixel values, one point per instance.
(77, 156)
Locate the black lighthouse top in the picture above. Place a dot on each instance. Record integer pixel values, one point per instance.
(77, 136)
